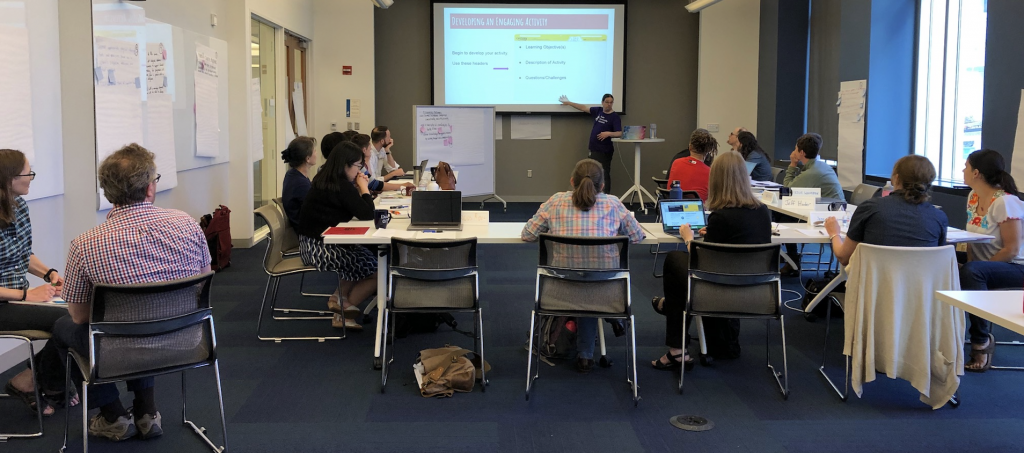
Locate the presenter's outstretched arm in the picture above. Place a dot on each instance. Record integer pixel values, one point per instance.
(565, 101)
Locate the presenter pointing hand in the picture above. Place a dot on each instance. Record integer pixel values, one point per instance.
(607, 124)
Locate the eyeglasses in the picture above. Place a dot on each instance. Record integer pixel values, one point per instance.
(31, 175)
(157, 178)
(360, 166)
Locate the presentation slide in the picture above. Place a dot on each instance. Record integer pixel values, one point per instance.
(676, 214)
(521, 59)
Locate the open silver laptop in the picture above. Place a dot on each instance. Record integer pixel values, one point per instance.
(676, 213)
(436, 210)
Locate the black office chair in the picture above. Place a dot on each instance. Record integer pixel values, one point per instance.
(145, 330)
(583, 277)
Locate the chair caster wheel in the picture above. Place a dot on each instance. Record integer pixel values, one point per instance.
(377, 363)
(605, 362)
(706, 360)
(954, 402)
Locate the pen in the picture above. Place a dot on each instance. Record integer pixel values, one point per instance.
(822, 232)
(401, 206)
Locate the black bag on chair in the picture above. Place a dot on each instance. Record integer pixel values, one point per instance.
(812, 289)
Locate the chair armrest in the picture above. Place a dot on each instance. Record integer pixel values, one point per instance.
(826, 290)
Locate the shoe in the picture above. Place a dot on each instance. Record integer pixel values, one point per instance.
(338, 321)
(29, 398)
(149, 426)
(674, 363)
(659, 305)
(789, 271)
(584, 365)
(977, 355)
(119, 430)
(618, 327)
(351, 312)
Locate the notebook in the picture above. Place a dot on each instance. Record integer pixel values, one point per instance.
(436, 210)
(675, 213)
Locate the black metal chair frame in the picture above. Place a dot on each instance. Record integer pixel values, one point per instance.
(584, 275)
(87, 365)
(751, 279)
(438, 276)
(28, 337)
(302, 277)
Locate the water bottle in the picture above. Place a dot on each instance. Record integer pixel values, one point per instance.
(887, 189)
(676, 193)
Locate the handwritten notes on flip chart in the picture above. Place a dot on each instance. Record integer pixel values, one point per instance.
(207, 102)
(160, 137)
(118, 95)
(437, 137)
(16, 91)
(156, 68)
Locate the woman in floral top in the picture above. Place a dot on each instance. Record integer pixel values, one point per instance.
(993, 208)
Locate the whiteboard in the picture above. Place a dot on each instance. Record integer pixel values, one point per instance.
(461, 136)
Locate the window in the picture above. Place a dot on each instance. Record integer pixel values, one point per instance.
(950, 83)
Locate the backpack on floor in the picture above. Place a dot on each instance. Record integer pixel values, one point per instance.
(812, 289)
(557, 337)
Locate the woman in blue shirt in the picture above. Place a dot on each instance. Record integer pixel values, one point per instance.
(300, 158)
(607, 125)
(753, 153)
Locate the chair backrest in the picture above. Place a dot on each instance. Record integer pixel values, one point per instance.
(288, 237)
(589, 274)
(151, 328)
(734, 279)
(778, 174)
(275, 221)
(433, 274)
(864, 192)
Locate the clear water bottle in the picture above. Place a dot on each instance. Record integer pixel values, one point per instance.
(887, 189)
(676, 192)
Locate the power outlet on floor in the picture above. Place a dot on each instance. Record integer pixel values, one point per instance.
(529, 173)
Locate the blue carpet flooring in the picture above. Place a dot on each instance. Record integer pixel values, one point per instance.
(325, 397)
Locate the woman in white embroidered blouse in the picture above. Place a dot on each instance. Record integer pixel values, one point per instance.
(993, 208)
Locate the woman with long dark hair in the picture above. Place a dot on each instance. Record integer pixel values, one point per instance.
(752, 152)
(993, 208)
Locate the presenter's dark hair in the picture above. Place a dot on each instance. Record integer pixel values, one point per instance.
(606, 96)
(993, 168)
(748, 145)
(329, 142)
(361, 140)
(704, 143)
(12, 162)
(587, 181)
(298, 151)
(331, 177)
(810, 144)
(915, 174)
(378, 133)
(126, 174)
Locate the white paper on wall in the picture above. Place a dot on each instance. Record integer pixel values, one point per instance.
(299, 105)
(1017, 160)
(15, 91)
(159, 138)
(850, 106)
(156, 68)
(256, 116)
(531, 127)
(206, 60)
(207, 115)
(118, 98)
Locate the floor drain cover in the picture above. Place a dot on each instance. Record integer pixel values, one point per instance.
(691, 423)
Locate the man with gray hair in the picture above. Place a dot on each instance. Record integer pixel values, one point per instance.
(138, 243)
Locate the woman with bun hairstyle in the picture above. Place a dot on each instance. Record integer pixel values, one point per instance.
(753, 153)
(993, 208)
(584, 211)
(300, 159)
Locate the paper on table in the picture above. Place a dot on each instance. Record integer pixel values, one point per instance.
(16, 91)
(394, 233)
(256, 128)
(799, 202)
(441, 235)
(159, 138)
(807, 192)
(813, 232)
(779, 226)
(1017, 160)
(531, 127)
(300, 110)
(207, 115)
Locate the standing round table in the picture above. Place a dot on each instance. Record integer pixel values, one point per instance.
(636, 171)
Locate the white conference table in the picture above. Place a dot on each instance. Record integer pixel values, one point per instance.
(636, 171)
(1005, 308)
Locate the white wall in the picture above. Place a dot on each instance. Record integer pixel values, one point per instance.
(344, 38)
(727, 67)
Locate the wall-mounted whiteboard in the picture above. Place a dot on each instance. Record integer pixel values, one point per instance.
(30, 105)
(461, 136)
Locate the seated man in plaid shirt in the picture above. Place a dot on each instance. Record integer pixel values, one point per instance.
(138, 243)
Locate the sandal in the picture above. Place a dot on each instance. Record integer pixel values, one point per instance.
(338, 321)
(60, 399)
(986, 354)
(334, 306)
(659, 305)
(674, 362)
(29, 398)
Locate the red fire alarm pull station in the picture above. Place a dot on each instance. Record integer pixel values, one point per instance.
(346, 70)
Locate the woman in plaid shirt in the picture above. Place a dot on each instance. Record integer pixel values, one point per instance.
(16, 261)
(584, 211)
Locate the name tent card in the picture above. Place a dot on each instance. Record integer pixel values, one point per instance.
(797, 202)
(814, 192)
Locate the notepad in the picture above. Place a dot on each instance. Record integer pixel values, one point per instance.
(353, 231)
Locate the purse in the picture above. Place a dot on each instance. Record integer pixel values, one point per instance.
(447, 370)
(444, 176)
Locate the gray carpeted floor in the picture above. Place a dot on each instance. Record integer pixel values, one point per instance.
(325, 397)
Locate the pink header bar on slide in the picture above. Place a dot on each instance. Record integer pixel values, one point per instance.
(529, 21)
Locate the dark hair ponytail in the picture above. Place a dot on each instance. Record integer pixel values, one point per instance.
(587, 179)
(916, 174)
(298, 151)
(993, 168)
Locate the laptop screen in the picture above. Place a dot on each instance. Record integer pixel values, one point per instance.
(678, 212)
(437, 207)
(750, 167)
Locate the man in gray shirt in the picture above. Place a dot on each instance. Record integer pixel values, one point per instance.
(815, 172)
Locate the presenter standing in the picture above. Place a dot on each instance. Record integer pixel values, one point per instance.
(607, 124)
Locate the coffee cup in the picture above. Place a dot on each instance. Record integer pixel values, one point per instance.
(381, 218)
(408, 190)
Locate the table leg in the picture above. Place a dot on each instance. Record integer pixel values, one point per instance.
(382, 280)
(636, 181)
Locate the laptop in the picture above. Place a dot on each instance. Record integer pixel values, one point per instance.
(750, 167)
(436, 210)
(675, 213)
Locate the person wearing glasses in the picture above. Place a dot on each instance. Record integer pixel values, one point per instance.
(376, 182)
(137, 243)
(733, 140)
(340, 193)
(16, 261)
